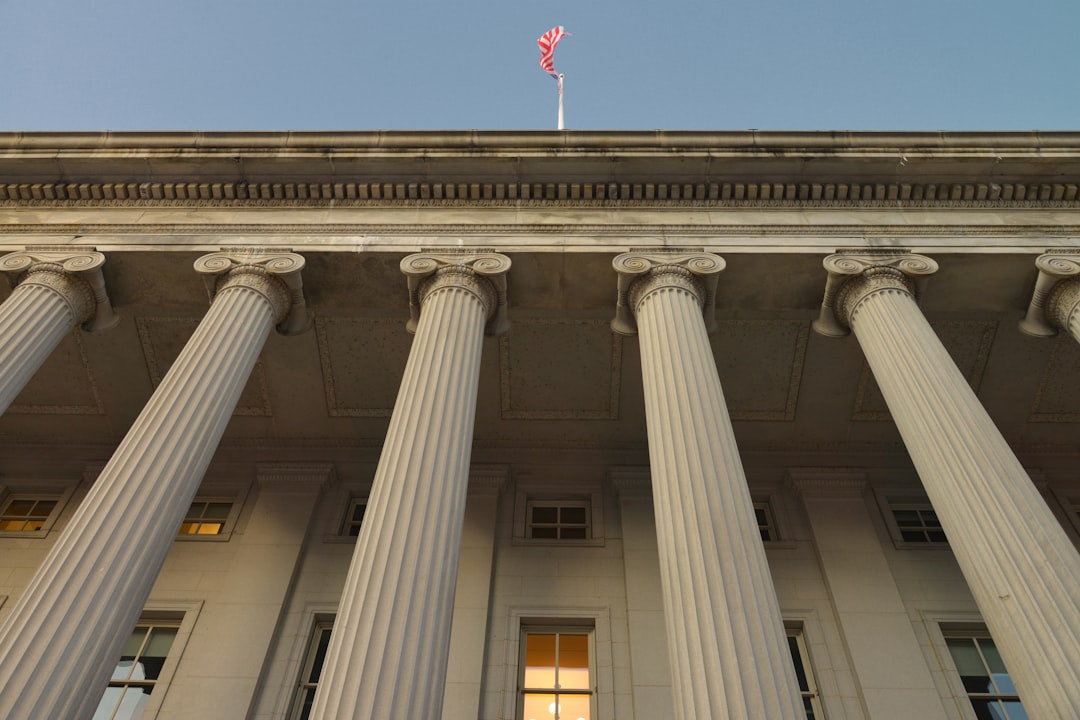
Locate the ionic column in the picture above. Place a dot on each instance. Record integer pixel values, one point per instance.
(1021, 567)
(728, 649)
(1056, 298)
(388, 652)
(56, 289)
(65, 634)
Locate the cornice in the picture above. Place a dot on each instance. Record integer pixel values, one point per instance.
(548, 229)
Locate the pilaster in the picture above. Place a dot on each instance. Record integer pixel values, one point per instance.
(1021, 567)
(869, 608)
(728, 649)
(391, 640)
(55, 290)
(62, 639)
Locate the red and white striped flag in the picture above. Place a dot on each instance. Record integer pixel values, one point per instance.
(547, 43)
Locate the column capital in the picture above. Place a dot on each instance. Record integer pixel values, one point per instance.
(272, 273)
(640, 274)
(74, 274)
(481, 273)
(1056, 294)
(854, 276)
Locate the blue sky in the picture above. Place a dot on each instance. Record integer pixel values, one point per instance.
(684, 64)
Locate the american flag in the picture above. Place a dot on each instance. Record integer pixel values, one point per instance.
(547, 43)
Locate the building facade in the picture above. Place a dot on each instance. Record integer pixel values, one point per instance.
(518, 426)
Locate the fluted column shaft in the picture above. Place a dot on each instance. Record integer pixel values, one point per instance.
(49, 301)
(728, 648)
(65, 634)
(1021, 567)
(388, 653)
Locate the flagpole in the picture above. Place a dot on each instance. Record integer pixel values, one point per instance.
(561, 124)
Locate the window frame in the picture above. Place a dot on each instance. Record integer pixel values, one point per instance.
(588, 495)
(795, 631)
(320, 623)
(559, 626)
(347, 521)
(888, 501)
(185, 615)
(59, 492)
(943, 631)
(233, 493)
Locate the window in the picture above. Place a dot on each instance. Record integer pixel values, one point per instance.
(27, 513)
(558, 519)
(765, 523)
(983, 674)
(559, 513)
(807, 687)
(354, 518)
(137, 673)
(312, 669)
(557, 680)
(206, 517)
(917, 522)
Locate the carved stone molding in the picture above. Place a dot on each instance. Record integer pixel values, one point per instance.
(1056, 294)
(854, 276)
(481, 273)
(632, 481)
(293, 478)
(641, 274)
(778, 192)
(488, 479)
(74, 275)
(833, 483)
(272, 273)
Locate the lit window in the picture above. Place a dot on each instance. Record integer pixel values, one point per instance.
(27, 513)
(917, 522)
(765, 523)
(312, 669)
(558, 519)
(206, 517)
(354, 518)
(557, 676)
(983, 674)
(137, 673)
(807, 687)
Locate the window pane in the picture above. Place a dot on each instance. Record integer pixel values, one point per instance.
(217, 510)
(133, 703)
(574, 662)
(573, 515)
(108, 703)
(320, 656)
(1015, 710)
(573, 533)
(543, 533)
(545, 515)
(12, 525)
(540, 660)
(306, 703)
(19, 508)
(161, 640)
(44, 507)
(212, 528)
(573, 707)
(537, 706)
(796, 659)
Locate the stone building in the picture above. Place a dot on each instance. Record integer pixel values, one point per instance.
(218, 431)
